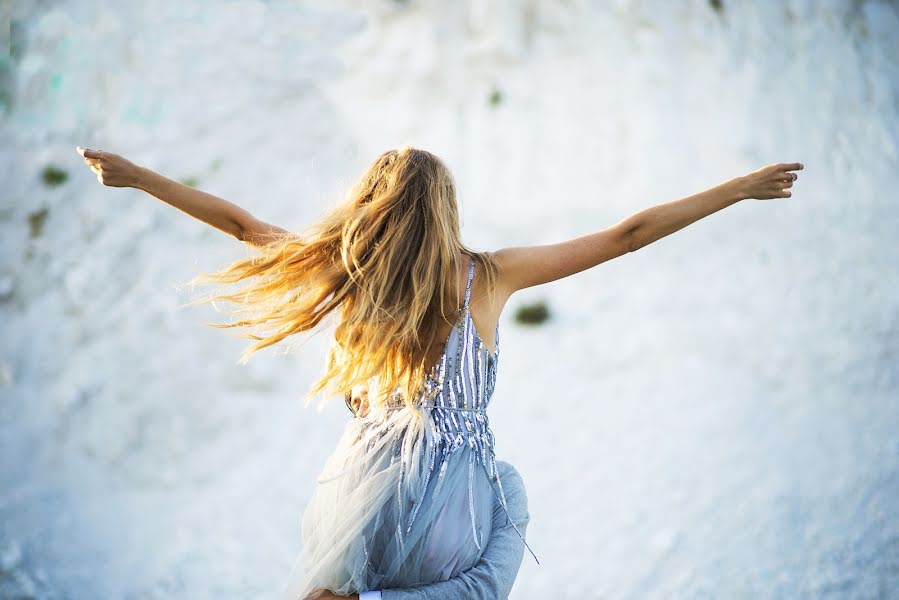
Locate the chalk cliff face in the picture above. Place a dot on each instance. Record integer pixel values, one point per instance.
(714, 415)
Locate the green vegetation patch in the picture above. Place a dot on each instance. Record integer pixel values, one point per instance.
(532, 314)
(53, 176)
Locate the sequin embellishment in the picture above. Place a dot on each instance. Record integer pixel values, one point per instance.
(457, 393)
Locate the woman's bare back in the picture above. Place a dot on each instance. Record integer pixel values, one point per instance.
(484, 314)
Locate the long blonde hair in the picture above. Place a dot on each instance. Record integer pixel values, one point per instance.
(384, 257)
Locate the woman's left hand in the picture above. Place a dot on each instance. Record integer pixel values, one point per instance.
(328, 595)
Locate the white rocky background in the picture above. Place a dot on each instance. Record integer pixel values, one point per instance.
(713, 416)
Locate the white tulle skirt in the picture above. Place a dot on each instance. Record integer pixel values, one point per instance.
(393, 507)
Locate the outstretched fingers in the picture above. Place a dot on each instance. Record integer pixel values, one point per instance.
(785, 178)
(88, 153)
(771, 181)
(790, 166)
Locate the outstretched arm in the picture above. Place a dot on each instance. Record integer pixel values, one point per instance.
(115, 171)
(522, 267)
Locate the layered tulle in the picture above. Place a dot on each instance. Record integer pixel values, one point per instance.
(395, 506)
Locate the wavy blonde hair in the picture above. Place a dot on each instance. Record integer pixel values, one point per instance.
(383, 258)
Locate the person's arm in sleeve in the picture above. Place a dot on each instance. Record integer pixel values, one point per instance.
(493, 575)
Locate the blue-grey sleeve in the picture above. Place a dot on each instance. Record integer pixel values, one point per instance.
(493, 575)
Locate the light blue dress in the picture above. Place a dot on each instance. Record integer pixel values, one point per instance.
(407, 496)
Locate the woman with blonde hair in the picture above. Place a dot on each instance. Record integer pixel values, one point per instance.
(406, 497)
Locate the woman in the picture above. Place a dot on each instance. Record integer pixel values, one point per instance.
(406, 498)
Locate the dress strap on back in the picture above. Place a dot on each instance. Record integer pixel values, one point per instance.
(468, 285)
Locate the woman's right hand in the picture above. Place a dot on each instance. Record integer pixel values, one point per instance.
(112, 170)
(770, 181)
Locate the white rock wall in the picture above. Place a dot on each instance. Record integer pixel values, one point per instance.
(715, 415)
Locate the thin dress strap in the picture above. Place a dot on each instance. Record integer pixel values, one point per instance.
(468, 285)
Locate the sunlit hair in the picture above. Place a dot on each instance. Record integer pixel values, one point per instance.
(384, 259)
